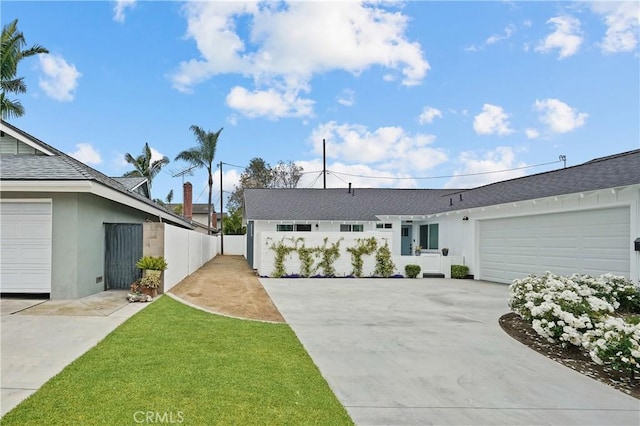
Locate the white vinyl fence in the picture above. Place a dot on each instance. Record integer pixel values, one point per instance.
(264, 261)
(234, 245)
(185, 251)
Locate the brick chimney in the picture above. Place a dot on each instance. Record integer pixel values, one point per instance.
(214, 219)
(187, 201)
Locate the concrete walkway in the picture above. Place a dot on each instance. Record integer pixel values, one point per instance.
(430, 351)
(40, 338)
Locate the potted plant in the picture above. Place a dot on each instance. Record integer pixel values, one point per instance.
(445, 252)
(418, 250)
(149, 285)
(152, 265)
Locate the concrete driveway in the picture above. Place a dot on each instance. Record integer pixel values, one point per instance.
(40, 338)
(430, 351)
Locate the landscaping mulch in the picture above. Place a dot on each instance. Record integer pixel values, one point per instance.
(570, 356)
(227, 285)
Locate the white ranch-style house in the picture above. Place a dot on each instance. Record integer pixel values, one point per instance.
(580, 219)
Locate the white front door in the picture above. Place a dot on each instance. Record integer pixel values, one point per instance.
(590, 242)
(25, 244)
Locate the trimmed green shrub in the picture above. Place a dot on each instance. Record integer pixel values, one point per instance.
(412, 271)
(459, 271)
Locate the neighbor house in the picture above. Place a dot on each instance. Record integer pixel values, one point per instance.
(580, 219)
(67, 229)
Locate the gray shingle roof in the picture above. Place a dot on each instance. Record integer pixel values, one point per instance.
(607, 172)
(130, 182)
(338, 204)
(197, 208)
(60, 167)
(365, 204)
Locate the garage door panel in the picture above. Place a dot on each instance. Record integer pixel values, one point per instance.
(25, 242)
(593, 242)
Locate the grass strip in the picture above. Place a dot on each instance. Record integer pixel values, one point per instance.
(174, 364)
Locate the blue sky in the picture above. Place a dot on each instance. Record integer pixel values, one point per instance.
(407, 91)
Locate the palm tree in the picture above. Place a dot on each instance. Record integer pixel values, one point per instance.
(143, 165)
(202, 156)
(12, 52)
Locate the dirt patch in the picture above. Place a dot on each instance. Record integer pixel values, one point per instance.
(569, 356)
(227, 285)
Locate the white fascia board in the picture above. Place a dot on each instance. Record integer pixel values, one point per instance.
(88, 187)
(113, 195)
(23, 139)
(45, 186)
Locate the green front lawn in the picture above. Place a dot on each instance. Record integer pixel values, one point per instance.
(174, 364)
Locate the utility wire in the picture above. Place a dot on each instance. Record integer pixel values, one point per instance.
(446, 176)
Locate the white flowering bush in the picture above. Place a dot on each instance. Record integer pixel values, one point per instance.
(616, 342)
(579, 310)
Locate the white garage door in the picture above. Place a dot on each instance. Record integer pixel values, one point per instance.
(590, 242)
(25, 247)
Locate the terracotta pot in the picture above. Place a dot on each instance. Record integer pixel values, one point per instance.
(153, 292)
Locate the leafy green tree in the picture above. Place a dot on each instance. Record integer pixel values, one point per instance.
(202, 156)
(233, 223)
(12, 52)
(286, 175)
(259, 174)
(166, 201)
(143, 166)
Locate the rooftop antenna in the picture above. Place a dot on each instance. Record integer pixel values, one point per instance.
(183, 172)
(563, 158)
(324, 163)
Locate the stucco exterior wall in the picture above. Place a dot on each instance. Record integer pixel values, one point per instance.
(78, 239)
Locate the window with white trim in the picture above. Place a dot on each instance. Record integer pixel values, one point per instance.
(284, 228)
(303, 227)
(352, 228)
(384, 225)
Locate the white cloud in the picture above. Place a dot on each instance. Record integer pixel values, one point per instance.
(156, 155)
(120, 7)
(289, 43)
(388, 148)
(346, 98)
(567, 37)
(60, 78)
(270, 103)
(508, 32)
(532, 133)
(478, 168)
(560, 117)
(340, 174)
(428, 114)
(87, 154)
(623, 23)
(492, 120)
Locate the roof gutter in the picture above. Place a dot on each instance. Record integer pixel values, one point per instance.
(95, 188)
